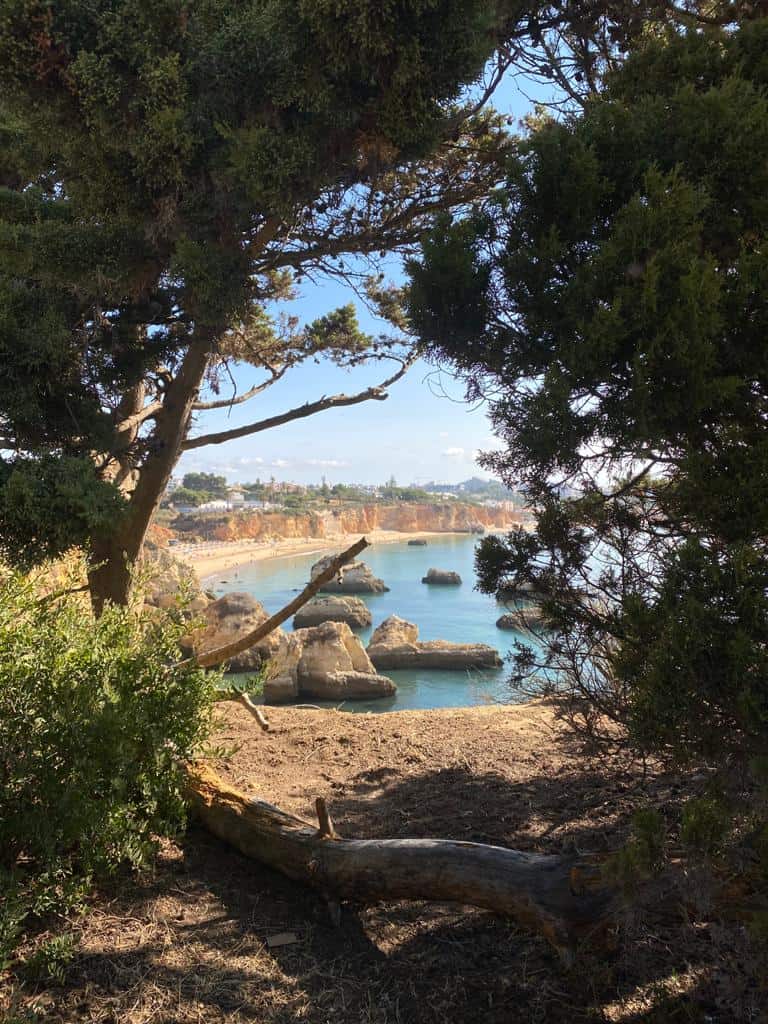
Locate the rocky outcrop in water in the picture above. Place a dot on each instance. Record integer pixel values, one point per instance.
(521, 619)
(351, 610)
(354, 578)
(417, 543)
(395, 644)
(325, 662)
(444, 577)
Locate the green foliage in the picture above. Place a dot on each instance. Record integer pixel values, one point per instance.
(643, 855)
(705, 825)
(185, 496)
(210, 483)
(166, 168)
(94, 725)
(51, 959)
(338, 333)
(49, 504)
(614, 304)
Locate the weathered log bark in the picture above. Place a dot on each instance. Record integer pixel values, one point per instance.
(559, 897)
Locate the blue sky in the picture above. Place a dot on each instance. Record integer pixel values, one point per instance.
(423, 431)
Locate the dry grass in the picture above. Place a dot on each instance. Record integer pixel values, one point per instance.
(190, 943)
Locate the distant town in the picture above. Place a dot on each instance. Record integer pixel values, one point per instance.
(201, 493)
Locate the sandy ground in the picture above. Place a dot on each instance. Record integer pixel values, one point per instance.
(210, 559)
(194, 942)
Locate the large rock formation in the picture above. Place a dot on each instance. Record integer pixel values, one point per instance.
(442, 576)
(395, 644)
(354, 578)
(351, 610)
(171, 582)
(227, 619)
(326, 662)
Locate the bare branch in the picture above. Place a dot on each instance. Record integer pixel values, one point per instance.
(248, 640)
(255, 710)
(376, 393)
(225, 403)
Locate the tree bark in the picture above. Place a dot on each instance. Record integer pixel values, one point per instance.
(113, 556)
(559, 897)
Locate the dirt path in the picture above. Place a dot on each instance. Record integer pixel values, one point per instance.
(192, 944)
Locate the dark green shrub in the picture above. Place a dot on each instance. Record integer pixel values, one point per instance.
(643, 855)
(93, 729)
(705, 825)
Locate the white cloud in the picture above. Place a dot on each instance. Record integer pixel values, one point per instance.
(252, 460)
(327, 463)
(443, 435)
(453, 453)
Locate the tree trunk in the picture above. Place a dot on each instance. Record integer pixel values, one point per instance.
(115, 555)
(559, 897)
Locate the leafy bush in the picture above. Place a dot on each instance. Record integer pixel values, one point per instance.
(93, 728)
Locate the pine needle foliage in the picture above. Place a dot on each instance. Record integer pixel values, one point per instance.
(613, 308)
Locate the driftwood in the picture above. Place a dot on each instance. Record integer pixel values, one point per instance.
(558, 897)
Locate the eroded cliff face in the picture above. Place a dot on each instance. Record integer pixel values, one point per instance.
(448, 517)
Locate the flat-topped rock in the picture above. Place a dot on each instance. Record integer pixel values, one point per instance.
(418, 543)
(395, 644)
(327, 662)
(333, 608)
(354, 578)
(442, 576)
(348, 686)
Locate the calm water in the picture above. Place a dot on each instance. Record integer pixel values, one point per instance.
(459, 614)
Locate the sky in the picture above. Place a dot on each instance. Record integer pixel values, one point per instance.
(424, 431)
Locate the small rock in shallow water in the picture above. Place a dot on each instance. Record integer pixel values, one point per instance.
(442, 576)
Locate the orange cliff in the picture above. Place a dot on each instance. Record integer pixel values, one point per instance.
(448, 517)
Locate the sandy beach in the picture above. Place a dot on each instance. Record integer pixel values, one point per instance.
(212, 558)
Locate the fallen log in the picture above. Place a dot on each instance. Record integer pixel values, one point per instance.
(561, 898)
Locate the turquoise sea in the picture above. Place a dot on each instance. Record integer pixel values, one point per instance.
(460, 614)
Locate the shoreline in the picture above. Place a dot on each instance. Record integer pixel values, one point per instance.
(213, 558)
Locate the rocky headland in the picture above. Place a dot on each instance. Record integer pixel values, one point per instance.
(403, 517)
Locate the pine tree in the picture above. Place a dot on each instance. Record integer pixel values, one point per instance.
(614, 309)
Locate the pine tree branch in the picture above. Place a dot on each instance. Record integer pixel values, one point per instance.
(376, 393)
(225, 403)
(135, 420)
